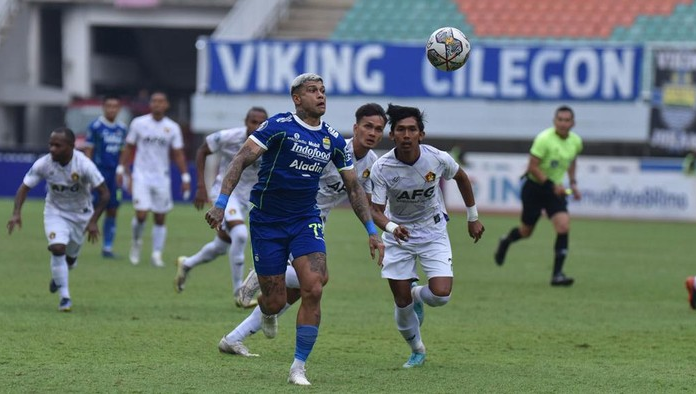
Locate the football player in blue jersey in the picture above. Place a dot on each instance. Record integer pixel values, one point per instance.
(284, 219)
(105, 139)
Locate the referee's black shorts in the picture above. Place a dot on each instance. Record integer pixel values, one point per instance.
(536, 197)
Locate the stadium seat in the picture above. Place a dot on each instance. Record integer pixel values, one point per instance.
(616, 20)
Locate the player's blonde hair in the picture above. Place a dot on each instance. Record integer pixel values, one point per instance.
(302, 78)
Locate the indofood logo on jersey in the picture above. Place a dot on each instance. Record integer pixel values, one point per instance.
(310, 152)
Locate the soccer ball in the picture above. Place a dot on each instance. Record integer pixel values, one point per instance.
(447, 49)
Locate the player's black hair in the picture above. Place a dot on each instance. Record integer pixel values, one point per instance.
(69, 134)
(397, 113)
(111, 96)
(256, 109)
(564, 108)
(162, 92)
(370, 109)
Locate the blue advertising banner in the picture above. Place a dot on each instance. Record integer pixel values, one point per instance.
(519, 72)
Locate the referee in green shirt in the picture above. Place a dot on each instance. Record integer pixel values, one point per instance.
(553, 153)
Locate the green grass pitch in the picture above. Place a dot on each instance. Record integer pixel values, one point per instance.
(625, 326)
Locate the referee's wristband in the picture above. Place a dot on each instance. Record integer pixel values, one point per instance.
(221, 201)
(471, 213)
(370, 227)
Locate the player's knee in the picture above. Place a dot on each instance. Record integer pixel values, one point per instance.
(313, 290)
(526, 232)
(272, 305)
(57, 249)
(238, 234)
(436, 300)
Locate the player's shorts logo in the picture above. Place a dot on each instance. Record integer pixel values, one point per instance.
(52, 235)
(366, 173)
(326, 143)
(74, 176)
(430, 176)
(232, 211)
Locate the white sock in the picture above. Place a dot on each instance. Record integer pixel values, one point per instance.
(251, 325)
(407, 324)
(238, 235)
(137, 228)
(297, 364)
(424, 294)
(208, 252)
(159, 235)
(59, 274)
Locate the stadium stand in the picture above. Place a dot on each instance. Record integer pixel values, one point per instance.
(398, 20)
(311, 19)
(616, 20)
(589, 19)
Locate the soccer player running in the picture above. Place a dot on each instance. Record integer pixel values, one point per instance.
(233, 236)
(153, 134)
(68, 212)
(284, 219)
(407, 178)
(368, 130)
(553, 153)
(105, 139)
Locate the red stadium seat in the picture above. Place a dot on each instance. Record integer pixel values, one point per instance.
(589, 19)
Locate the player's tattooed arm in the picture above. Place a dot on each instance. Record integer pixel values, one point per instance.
(247, 155)
(356, 195)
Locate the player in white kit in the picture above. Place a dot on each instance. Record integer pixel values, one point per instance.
(407, 178)
(68, 213)
(233, 237)
(368, 129)
(153, 135)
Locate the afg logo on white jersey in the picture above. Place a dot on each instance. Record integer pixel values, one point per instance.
(409, 195)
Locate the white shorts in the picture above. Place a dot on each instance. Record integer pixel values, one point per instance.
(400, 260)
(61, 231)
(147, 197)
(236, 209)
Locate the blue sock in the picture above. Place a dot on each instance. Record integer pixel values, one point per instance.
(304, 341)
(109, 232)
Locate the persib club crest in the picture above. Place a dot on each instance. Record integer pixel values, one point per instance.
(366, 173)
(326, 143)
(430, 176)
(74, 176)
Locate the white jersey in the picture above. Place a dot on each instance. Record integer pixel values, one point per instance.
(332, 191)
(153, 140)
(413, 191)
(68, 187)
(227, 143)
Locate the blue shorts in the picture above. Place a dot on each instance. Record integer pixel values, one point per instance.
(110, 182)
(272, 243)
